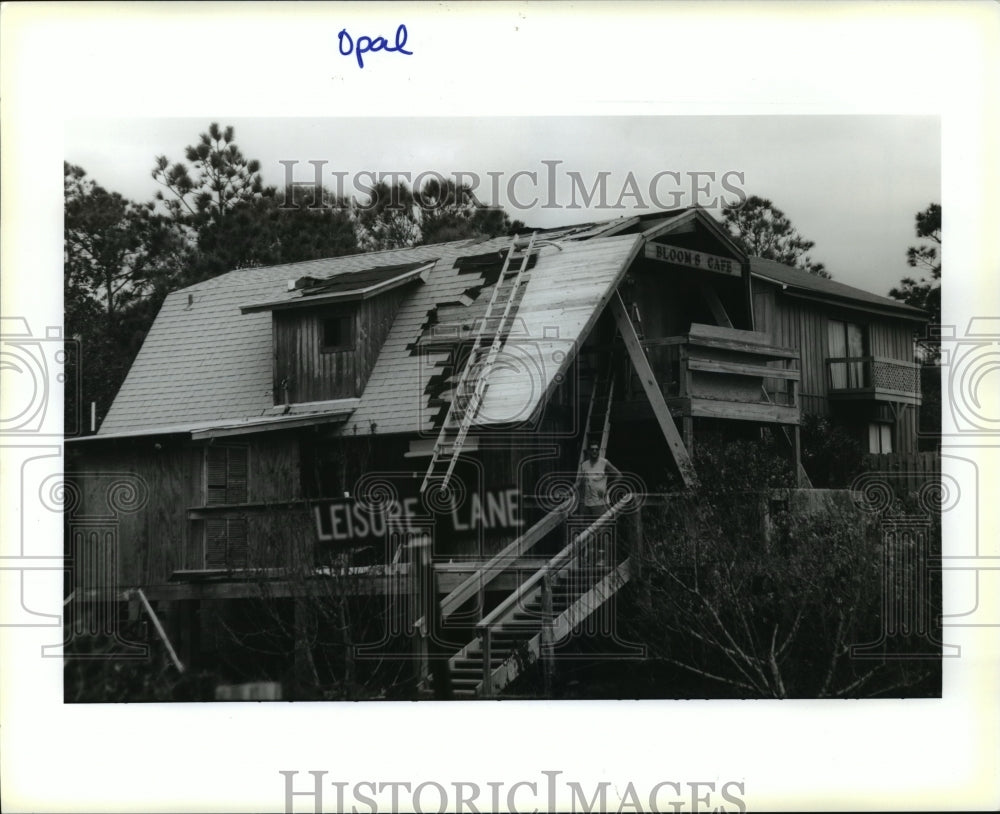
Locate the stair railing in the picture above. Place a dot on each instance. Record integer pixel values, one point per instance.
(484, 629)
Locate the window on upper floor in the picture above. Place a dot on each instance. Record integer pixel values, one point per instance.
(226, 475)
(337, 333)
(846, 341)
(226, 484)
(226, 542)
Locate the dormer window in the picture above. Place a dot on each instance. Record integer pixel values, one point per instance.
(328, 331)
(337, 333)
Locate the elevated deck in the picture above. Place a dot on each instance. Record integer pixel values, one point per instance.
(727, 373)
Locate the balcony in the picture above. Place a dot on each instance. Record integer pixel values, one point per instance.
(719, 372)
(873, 378)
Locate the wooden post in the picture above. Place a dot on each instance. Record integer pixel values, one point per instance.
(487, 688)
(433, 648)
(303, 633)
(546, 640)
(687, 428)
(652, 388)
(797, 456)
(420, 594)
(716, 306)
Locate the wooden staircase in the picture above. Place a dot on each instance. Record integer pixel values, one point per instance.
(540, 613)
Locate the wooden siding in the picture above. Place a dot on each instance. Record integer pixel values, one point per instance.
(162, 536)
(317, 375)
(802, 325)
(153, 541)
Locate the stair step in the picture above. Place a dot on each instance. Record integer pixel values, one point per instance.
(477, 668)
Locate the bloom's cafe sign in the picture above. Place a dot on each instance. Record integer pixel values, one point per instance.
(692, 259)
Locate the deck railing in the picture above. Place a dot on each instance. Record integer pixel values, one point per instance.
(691, 365)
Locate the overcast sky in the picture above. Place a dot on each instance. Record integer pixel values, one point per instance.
(852, 184)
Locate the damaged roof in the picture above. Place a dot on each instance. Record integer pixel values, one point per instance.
(207, 360)
(308, 291)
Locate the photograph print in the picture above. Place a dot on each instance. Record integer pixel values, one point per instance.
(513, 408)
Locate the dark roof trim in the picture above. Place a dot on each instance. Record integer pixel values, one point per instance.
(339, 410)
(853, 305)
(864, 301)
(418, 272)
(284, 422)
(150, 432)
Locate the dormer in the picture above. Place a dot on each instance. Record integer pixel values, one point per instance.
(327, 332)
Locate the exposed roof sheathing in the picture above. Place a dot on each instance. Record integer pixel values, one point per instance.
(565, 292)
(206, 363)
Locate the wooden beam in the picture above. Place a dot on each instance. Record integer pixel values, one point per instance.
(159, 630)
(740, 369)
(653, 393)
(744, 411)
(503, 560)
(702, 338)
(716, 306)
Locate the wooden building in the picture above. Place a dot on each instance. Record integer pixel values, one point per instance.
(277, 416)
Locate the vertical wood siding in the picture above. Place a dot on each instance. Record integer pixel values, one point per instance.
(160, 538)
(802, 325)
(315, 375)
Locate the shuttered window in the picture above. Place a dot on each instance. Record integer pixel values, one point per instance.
(225, 475)
(226, 543)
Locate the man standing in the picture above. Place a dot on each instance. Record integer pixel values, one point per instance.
(593, 477)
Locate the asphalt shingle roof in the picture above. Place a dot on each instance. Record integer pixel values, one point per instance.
(204, 361)
(797, 278)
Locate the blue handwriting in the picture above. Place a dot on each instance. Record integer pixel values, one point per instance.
(365, 45)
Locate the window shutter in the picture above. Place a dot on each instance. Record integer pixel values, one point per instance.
(226, 477)
(215, 476)
(216, 534)
(236, 485)
(237, 555)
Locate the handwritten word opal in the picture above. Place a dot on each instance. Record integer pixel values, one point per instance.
(367, 45)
